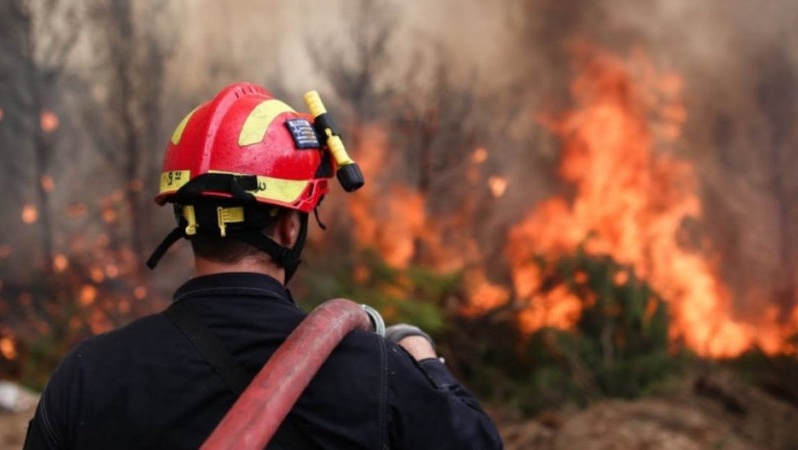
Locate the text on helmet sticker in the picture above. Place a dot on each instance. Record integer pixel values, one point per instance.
(174, 180)
(303, 133)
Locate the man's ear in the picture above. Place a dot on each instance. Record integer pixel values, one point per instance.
(287, 230)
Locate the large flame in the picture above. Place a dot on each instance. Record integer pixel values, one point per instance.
(631, 197)
(387, 218)
(631, 200)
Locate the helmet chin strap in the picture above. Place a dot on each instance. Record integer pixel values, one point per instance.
(287, 258)
(250, 232)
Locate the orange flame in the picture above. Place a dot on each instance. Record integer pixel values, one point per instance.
(48, 121)
(497, 185)
(479, 156)
(29, 214)
(8, 348)
(631, 200)
(60, 263)
(47, 183)
(140, 292)
(88, 294)
(391, 227)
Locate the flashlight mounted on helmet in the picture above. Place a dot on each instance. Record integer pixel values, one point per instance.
(348, 173)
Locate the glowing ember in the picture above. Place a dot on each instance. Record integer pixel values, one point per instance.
(8, 348)
(109, 215)
(88, 294)
(60, 263)
(112, 271)
(98, 322)
(479, 156)
(140, 292)
(1, 113)
(5, 251)
(47, 183)
(49, 121)
(29, 214)
(96, 274)
(497, 185)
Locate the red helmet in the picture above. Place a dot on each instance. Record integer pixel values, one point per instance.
(244, 131)
(245, 149)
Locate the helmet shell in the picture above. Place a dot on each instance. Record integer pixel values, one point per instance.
(245, 131)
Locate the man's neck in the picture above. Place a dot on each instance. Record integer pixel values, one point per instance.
(204, 266)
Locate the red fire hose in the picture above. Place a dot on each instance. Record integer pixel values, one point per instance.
(261, 408)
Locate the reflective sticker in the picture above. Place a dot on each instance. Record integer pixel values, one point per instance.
(174, 180)
(286, 191)
(178, 133)
(259, 120)
(303, 133)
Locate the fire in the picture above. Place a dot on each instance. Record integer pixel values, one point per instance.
(96, 274)
(140, 292)
(112, 271)
(479, 156)
(487, 295)
(47, 183)
(8, 348)
(109, 215)
(29, 214)
(60, 262)
(88, 294)
(391, 225)
(631, 199)
(49, 121)
(497, 185)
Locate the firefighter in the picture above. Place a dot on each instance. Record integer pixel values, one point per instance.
(243, 172)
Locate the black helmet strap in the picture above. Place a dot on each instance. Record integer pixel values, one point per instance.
(288, 258)
(207, 216)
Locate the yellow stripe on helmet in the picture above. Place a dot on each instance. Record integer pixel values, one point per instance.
(259, 120)
(181, 127)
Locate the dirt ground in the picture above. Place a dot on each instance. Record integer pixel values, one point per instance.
(12, 429)
(708, 411)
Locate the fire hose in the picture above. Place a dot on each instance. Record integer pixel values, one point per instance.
(257, 414)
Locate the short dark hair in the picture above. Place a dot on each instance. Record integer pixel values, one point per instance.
(228, 249)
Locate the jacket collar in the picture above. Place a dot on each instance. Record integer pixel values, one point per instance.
(232, 284)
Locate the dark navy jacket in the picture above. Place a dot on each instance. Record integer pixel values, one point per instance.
(146, 386)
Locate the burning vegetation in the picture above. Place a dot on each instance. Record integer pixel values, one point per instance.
(631, 198)
(593, 283)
